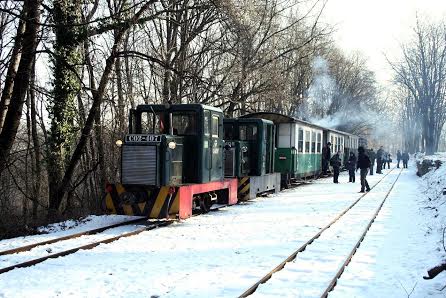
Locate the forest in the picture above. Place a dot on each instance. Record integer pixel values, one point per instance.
(70, 71)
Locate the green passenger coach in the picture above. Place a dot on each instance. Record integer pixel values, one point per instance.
(299, 146)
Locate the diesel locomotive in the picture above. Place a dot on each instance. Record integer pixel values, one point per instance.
(181, 157)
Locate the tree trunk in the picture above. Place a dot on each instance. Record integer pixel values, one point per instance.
(36, 144)
(12, 70)
(66, 88)
(21, 80)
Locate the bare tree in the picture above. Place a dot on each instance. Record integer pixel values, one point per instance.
(422, 74)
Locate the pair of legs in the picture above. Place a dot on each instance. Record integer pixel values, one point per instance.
(405, 164)
(371, 170)
(335, 174)
(351, 176)
(378, 166)
(324, 167)
(364, 183)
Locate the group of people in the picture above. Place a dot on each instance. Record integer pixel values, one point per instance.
(364, 162)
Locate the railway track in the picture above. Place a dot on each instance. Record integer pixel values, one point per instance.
(147, 226)
(308, 266)
(31, 262)
(72, 236)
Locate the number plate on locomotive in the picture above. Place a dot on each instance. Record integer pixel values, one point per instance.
(142, 138)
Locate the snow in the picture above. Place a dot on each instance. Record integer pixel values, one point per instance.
(223, 253)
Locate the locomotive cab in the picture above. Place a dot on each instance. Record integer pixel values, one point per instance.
(170, 145)
(249, 155)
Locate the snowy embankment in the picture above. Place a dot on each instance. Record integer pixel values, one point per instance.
(221, 254)
(433, 186)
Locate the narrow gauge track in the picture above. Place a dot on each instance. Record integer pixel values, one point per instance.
(72, 236)
(32, 262)
(292, 257)
(148, 225)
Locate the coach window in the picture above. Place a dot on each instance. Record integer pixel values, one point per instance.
(319, 143)
(313, 142)
(300, 144)
(307, 141)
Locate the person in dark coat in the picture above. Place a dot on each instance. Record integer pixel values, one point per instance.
(405, 158)
(351, 166)
(372, 157)
(379, 160)
(363, 164)
(384, 161)
(389, 160)
(326, 155)
(335, 162)
(399, 156)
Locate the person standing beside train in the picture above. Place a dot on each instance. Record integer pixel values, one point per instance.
(326, 155)
(398, 158)
(335, 162)
(363, 164)
(405, 158)
(379, 160)
(389, 160)
(351, 166)
(372, 157)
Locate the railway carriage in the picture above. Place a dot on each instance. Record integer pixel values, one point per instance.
(339, 143)
(300, 143)
(299, 146)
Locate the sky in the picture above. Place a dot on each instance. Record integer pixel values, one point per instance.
(377, 27)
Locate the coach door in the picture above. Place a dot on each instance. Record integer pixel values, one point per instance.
(216, 146)
(207, 151)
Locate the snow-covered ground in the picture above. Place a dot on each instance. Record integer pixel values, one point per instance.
(223, 253)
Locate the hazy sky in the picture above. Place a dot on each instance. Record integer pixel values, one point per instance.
(375, 27)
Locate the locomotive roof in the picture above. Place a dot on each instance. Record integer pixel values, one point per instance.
(281, 118)
(161, 107)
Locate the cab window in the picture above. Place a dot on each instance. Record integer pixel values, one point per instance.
(206, 123)
(215, 126)
(229, 131)
(184, 123)
(248, 132)
(152, 123)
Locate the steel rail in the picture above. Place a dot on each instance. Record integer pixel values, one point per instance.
(85, 247)
(152, 225)
(333, 282)
(72, 236)
(291, 257)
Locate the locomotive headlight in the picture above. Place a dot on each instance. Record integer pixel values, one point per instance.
(172, 145)
(119, 143)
